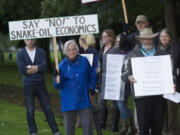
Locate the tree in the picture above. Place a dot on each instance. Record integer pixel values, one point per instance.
(12, 10)
(44, 43)
(170, 17)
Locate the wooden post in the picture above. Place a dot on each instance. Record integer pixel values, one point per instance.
(124, 11)
(56, 59)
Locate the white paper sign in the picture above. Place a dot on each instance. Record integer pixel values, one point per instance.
(88, 1)
(153, 75)
(173, 97)
(89, 57)
(113, 76)
(53, 27)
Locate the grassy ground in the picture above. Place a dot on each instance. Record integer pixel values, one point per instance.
(13, 121)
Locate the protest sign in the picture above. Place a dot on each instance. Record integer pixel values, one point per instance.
(112, 86)
(175, 97)
(153, 75)
(89, 57)
(53, 27)
(88, 1)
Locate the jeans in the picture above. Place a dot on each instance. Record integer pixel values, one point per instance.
(122, 104)
(39, 91)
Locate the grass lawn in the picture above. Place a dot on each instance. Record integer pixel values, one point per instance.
(13, 121)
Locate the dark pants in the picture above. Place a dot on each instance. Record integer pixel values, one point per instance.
(150, 114)
(85, 116)
(103, 112)
(39, 91)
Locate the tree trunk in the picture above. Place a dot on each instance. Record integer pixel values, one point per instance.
(170, 17)
(1, 56)
(44, 43)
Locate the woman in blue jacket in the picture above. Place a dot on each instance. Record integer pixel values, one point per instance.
(77, 80)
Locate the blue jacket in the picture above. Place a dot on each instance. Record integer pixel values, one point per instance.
(24, 60)
(76, 79)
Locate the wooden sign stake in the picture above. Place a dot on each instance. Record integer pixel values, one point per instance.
(56, 59)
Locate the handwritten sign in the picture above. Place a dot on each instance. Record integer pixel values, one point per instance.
(53, 27)
(173, 97)
(112, 84)
(153, 75)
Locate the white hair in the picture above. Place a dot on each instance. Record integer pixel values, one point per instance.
(68, 43)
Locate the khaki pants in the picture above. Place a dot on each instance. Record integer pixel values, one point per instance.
(170, 120)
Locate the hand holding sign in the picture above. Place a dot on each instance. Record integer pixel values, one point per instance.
(54, 27)
(56, 60)
(131, 79)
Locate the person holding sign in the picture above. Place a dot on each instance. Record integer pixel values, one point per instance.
(77, 80)
(31, 62)
(128, 40)
(150, 109)
(169, 47)
(108, 41)
(87, 42)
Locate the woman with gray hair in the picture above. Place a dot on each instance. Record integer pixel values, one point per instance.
(77, 81)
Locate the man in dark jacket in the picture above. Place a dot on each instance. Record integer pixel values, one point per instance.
(149, 108)
(32, 64)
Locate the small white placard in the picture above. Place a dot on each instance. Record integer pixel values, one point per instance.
(88, 1)
(173, 97)
(89, 57)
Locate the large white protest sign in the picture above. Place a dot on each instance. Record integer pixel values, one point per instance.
(88, 1)
(53, 27)
(89, 57)
(153, 75)
(112, 83)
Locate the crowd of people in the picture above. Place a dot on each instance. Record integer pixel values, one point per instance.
(153, 115)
